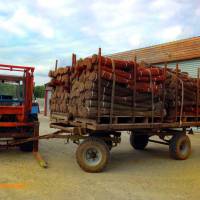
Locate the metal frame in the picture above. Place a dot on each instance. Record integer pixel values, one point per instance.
(20, 111)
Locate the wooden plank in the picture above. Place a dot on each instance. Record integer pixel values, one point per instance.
(132, 126)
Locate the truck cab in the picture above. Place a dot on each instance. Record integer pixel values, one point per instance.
(18, 112)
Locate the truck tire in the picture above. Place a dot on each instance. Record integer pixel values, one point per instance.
(93, 155)
(138, 141)
(26, 147)
(180, 147)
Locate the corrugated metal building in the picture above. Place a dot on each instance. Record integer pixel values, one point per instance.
(185, 52)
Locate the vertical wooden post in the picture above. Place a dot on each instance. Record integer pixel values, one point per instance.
(134, 79)
(36, 135)
(73, 60)
(176, 92)
(45, 102)
(197, 107)
(56, 65)
(99, 86)
(152, 95)
(163, 94)
(36, 153)
(113, 91)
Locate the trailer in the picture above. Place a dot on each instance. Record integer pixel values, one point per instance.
(96, 137)
(95, 140)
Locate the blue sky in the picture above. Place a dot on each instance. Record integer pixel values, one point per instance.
(38, 32)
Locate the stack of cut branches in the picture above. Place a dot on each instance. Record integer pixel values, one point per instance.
(60, 82)
(130, 97)
(99, 85)
(181, 94)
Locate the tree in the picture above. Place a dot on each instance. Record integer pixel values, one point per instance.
(39, 91)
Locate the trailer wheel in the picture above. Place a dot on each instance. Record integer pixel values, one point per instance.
(93, 155)
(26, 147)
(180, 147)
(102, 135)
(138, 141)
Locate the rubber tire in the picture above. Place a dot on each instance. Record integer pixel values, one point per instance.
(26, 147)
(100, 135)
(175, 147)
(138, 141)
(88, 143)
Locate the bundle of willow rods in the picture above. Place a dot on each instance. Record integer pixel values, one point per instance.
(60, 82)
(181, 95)
(84, 88)
(139, 90)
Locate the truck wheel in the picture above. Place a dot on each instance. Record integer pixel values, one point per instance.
(180, 147)
(138, 141)
(26, 147)
(93, 155)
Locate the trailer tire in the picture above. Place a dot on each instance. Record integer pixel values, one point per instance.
(26, 147)
(93, 155)
(138, 141)
(101, 136)
(180, 147)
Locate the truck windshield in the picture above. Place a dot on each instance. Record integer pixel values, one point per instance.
(10, 93)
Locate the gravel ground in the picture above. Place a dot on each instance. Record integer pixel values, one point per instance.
(131, 174)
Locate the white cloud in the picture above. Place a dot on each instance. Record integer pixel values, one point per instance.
(10, 27)
(165, 9)
(59, 8)
(21, 22)
(33, 23)
(110, 14)
(41, 80)
(197, 11)
(170, 33)
(117, 23)
(88, 30)
(135, 40)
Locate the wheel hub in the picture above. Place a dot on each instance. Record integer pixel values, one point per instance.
(93, 156)
(183, 148)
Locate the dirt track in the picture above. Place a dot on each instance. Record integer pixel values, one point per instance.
(150, 174)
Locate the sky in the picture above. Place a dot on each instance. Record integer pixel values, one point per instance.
(36, 33)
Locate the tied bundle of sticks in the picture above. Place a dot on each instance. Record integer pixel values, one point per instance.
(60, 82)
(84, 88)
(181, 95)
